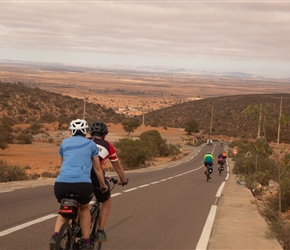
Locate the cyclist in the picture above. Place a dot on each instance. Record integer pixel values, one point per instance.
(222, 143)
(220, 159)
(224, 156)
(208, 161)
(99, 131)
(78, 156)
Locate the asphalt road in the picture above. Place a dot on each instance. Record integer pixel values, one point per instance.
(166, 208)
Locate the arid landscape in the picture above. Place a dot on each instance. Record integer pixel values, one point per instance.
(134, 91)
(127, 92)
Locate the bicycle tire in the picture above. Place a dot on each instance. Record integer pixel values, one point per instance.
(94, 225)
(64, 238)
(94, 222)
(99, 247)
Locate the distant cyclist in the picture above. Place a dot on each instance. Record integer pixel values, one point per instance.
(220, 160)
(225, 156)
(222, 143)
(99, 131)
(208, 161)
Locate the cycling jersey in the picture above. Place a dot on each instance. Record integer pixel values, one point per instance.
(77, 153)
(208, 158)
(106, 150)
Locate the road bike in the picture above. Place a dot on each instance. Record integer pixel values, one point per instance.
(220, 168)
(208, 172)
(70, 236)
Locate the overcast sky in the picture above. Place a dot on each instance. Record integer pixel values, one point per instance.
(244, 36)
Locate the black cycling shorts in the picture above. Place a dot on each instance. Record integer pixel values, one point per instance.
(83, 189)
(101, 197)
(207, 163)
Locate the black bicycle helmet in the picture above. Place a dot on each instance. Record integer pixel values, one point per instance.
(99, 128)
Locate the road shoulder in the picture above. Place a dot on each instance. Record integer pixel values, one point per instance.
(238, 224)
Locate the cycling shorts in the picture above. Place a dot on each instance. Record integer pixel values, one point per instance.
(207, 163)
(83, 189)
(101, 197)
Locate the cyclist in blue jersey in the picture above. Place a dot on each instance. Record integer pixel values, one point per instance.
(78, 156)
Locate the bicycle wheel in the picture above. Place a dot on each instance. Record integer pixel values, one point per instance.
(95, 211)
(99, 247)
(64, 238)
(207, 175)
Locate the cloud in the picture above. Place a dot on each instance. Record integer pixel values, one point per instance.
(218, 30)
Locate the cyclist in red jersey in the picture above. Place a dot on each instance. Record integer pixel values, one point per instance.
(98, 131)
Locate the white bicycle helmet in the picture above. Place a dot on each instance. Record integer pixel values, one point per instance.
(78, 124)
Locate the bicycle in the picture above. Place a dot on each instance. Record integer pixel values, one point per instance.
(70, 236)
(208, 172)
(220, 168)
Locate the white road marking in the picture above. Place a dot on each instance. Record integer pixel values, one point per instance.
(129, 190)
(13, 229)
(206, 232)
(145, 185)
(219, 192)
(116, 194)
(6, 191)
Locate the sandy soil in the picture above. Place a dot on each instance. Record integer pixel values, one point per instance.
(40, 157)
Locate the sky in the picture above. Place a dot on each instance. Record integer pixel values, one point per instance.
(221, 36)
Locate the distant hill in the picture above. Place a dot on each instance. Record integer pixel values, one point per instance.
(228, 115)
(21, 104)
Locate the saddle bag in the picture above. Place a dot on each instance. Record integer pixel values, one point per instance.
(69, 208)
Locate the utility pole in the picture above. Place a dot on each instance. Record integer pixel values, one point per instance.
(85, 99)
(143, 116)
(260, 119)
(211, 118)
(279, 169)
(279, 122)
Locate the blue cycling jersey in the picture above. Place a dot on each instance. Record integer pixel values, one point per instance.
(77, 153)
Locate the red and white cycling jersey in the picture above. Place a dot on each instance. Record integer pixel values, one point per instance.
(106, 150)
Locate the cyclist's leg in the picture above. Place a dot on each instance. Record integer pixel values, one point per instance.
(104, 213)
(105, 200)
(85, 192)
(60, 189)
(85, 220)
(59, 222)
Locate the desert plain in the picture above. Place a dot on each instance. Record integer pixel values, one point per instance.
(127, 91)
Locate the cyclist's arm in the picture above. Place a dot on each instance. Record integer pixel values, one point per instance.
(99, 172)
(119, 169)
